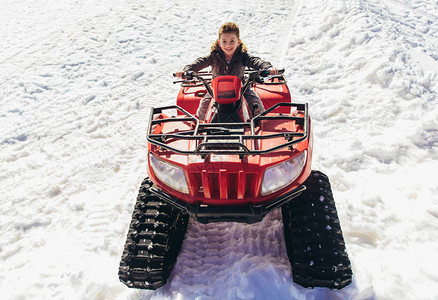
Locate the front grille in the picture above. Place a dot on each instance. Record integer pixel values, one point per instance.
(225, 185)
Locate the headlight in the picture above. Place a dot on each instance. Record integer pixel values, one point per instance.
(169, 174)
(281, 175)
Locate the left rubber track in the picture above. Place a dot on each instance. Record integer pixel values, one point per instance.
(153, 242)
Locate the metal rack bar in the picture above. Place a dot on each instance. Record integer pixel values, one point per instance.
(211, 135)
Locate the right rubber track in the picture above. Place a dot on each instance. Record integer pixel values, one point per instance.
(153, 242)
(313, 236)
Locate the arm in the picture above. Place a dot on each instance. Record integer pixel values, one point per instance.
(199, 64)
(259, 64)
(256, 62)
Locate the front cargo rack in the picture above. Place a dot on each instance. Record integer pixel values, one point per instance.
(226, 138)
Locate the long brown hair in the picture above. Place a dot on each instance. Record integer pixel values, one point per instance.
(229, 27)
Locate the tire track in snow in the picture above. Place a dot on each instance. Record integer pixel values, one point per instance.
(57, 25)
(283, 41)
(412, 19)
(414, 9)
(250, 252)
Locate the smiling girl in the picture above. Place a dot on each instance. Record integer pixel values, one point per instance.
(229, 56)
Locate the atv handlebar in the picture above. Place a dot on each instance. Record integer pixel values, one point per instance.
(188, 75)
(266, 73)
(253, 75)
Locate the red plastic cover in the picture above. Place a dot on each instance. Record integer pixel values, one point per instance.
(226, 89)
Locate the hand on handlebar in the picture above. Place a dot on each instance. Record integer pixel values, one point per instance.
(273, 71)
(187, 75)
(179, 74)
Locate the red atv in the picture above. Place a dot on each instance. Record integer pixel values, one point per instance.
(233, 167)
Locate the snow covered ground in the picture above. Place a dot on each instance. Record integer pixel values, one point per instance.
(77, 80)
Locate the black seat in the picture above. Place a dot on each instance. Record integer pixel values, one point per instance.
(227, 113)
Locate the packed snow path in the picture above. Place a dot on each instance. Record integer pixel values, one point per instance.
(77, 80)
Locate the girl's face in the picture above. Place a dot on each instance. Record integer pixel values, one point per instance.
(229, 43)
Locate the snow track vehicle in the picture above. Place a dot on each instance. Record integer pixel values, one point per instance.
(233, 167)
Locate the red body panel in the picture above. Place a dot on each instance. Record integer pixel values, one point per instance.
(189, 97)
(273, 94)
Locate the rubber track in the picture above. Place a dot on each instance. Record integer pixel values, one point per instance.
(313, 236)
(153, 242)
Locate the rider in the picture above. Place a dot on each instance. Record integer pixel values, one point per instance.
(229, 56)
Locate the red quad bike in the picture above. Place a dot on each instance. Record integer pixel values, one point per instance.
(233, 167)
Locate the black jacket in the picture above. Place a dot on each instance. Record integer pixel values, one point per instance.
(240, 60)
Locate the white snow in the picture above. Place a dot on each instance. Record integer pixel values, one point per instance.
(77, 80)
